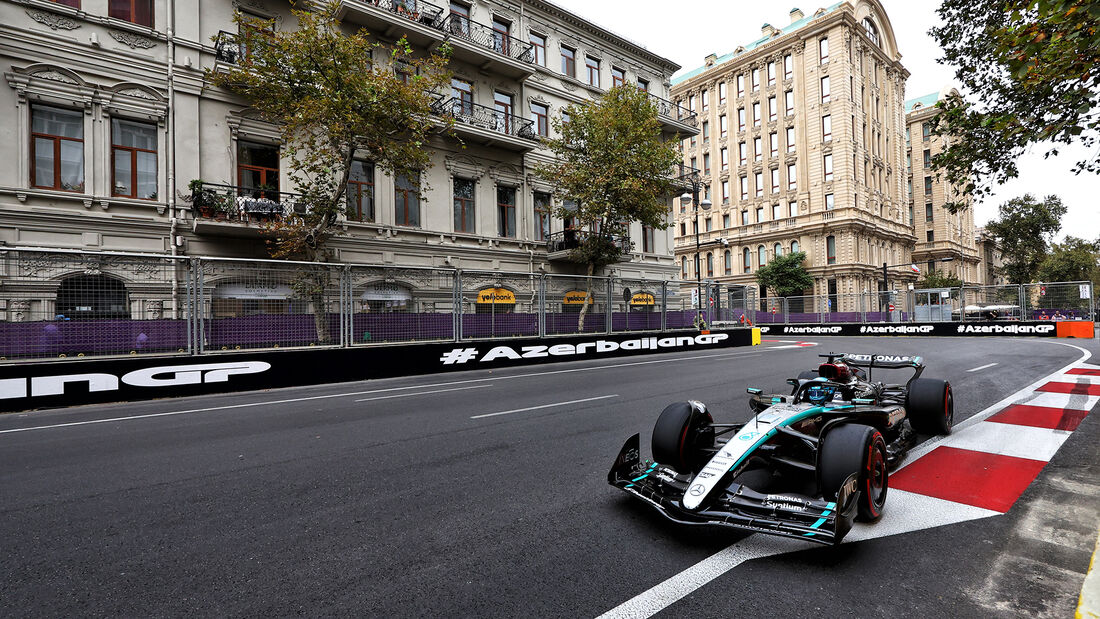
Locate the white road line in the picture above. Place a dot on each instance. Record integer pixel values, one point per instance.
(409, 395)
(663, 595)
(532, 408)
(981, 367)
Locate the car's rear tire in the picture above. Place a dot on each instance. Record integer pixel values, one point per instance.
(680, 435)
(807, 375)
(930, 406)
(855, 448)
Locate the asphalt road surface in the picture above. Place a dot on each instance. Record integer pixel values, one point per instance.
(485, 494)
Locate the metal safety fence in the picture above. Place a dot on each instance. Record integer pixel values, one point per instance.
(67, 303)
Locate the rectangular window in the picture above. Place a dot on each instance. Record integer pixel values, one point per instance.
(538, 45)
(792, 208)
(257, 168)
(540, 114)
(643, 85)
(463, 93)
(691, 104)
(756, 114)
(721, 93)
(694, 162)
(360, 191)
(501, 38)
(593, 67)
(134, 159)
(741, 85)
(742, 153)
(792, 177)
(927, 158)
(790, 139)
(648, 240)
(826, 128)
(683, 228)
(726, 192)
(759, 214)
(771, 73)
(706, 163)
(708, 224)
(57, 148)
(744, 217)
(744, 187)
(726, 220)
(788, 67)
(460, 24)
(925, 131)
(788, 101)
(927, 185)
(928, 212)
(740, 119)
(755, 80)
(759, 184)
(502, 103)
(723, 125)
(568, 61)
(773, 113)
(464, 205)
(930, 236)
(773, 144)
(407, 199)
(829, 202)
(139, 12)
(706, 100)
(775, 180)
(827, 164)
(506, 211)
(823, 50)
(776, 212)
(542, 216)
(910, 215)
(825, 89)
(830, 249)
(618, 77)
(757, 150)
(725, 156)
(706, 130)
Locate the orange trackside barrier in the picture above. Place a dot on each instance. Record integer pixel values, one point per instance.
(1076, 328)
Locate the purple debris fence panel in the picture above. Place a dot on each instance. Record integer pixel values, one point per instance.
(44, 339)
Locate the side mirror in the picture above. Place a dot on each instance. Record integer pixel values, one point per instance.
(792, 381)
(754, 391)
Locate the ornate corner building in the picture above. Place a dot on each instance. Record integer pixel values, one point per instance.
(802, 147)
(117, 143)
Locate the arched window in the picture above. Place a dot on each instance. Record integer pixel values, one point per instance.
(729, 262)
(778, 250)
(762, 255)
(870, 29)
(683, 267)
(710, 264)
(746, 260)
(93, 296)
(794, 246)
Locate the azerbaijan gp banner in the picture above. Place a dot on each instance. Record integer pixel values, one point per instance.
(89, 381)
(937, 329)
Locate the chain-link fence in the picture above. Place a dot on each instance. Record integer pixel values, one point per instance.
(67, 303)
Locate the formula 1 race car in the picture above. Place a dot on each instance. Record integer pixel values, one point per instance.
(806, 465)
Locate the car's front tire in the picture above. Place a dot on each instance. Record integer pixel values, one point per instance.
(855, 448)
(930, 406)
(681, 435)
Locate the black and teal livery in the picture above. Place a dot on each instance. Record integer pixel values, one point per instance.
(806, 465)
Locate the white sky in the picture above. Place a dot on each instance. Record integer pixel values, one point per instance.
(686, 31)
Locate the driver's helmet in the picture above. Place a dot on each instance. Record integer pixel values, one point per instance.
(836, 371)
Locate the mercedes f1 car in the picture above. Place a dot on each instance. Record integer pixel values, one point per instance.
(806, 465)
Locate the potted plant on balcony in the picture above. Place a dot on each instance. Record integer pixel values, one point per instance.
(203, 198)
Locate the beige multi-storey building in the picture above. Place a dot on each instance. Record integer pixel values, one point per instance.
(802, 148)
(992, 260)
(940, 234)
(110, 126)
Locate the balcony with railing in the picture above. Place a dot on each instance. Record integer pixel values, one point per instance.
(488, 126)
(229, 209)
(227, 49)
(674, 116)
(560, 245)
(420, 21)
(489, 48)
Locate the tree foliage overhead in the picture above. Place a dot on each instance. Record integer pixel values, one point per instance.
(612, 161)
(938, 279)
(1031, 70)
(1073, 260)
(1024, 230)
(335, 96)
(785, 275)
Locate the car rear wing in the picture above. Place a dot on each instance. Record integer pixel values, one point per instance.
(893, 362)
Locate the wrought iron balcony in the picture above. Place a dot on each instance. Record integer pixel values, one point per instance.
(227, 48)
(242, 204)
(673, 111)
(413, 10)
(568, 240)
(486, 118)
(462, 28)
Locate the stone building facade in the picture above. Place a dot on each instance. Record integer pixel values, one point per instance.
(110, 125)
(939, 233)
(802, 148)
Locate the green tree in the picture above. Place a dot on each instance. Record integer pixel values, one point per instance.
(1030, 68)
(939, 279)
(1024, 230)
(1073, 260)
(612, 162)
(785, 275)
(335, 96)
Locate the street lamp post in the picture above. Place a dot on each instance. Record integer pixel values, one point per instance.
(693, 199)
